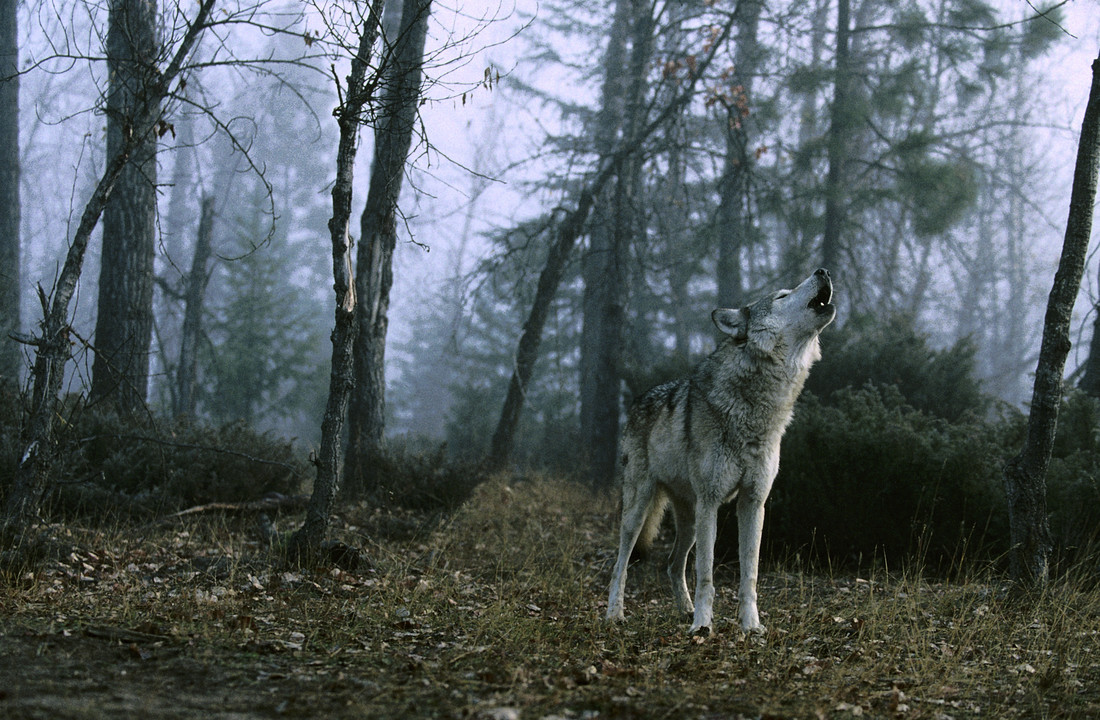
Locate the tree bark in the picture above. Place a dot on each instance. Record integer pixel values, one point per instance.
(1025, 474)
(52, 346)
(191, 332)
(305, 543)
(10, 276)
(838, 145)
(124, 319)
(378, 230)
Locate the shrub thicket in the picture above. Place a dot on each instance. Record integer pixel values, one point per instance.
(421, 481)
(1073, 479)
(866, 475)
(868, 350)
(108, 465)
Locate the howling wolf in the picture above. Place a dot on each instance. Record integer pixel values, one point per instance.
(700, 441)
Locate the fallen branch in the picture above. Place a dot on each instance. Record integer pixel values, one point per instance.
(270, 502)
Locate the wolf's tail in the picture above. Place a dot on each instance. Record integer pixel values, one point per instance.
(652, 523)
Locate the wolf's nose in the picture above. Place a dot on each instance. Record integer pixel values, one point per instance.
(821, 271)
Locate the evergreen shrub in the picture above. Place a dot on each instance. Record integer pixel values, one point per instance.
(867, 477)
(1073, 478)
(895, 454)
(426, 482)
(110, 466)
(892, 352)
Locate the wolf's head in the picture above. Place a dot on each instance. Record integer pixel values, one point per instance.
(784, 324)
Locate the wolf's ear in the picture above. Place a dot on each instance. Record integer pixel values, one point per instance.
(732, 322)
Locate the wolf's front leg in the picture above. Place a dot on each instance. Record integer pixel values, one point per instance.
(706, 528)
(750, 524)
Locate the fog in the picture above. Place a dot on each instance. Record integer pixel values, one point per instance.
(954, 197)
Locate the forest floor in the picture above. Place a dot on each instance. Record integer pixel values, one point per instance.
(496, 613)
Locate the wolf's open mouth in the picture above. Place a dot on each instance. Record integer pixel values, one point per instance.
(821, 300)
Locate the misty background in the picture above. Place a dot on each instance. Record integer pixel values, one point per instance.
(962, 122)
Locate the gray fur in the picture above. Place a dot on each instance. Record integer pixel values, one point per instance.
(703, 440)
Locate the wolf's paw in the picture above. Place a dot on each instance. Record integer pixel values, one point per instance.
(755, 634)
(615, 616)
(701, 631)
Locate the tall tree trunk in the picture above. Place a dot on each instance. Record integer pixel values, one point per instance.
(52, 347)
(191, 333)
(733, 186)
(564, 239)
(838, 146)
(305, 543)
(602, 265)
(1025, 474)
(124, 320)
(10, 277)
(378, 230)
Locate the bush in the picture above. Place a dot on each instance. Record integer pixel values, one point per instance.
(868, 350)
(866, 476)
(1073, 478)
(424, 482)
(109, 466)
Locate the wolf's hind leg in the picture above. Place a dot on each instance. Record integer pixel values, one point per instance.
(638, 502)
(677, 561)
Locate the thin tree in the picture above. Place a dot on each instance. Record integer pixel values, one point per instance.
(1025, 474)
(124, 319)
(52, 345)
(191, 332)
(378, 232)
(733, 186)
(10, 278)
(601, 264)
(840, 122)
(358, 94)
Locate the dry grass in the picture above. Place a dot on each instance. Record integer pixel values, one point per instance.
(497, 614)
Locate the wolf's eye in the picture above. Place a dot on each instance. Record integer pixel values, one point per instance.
(782, 294)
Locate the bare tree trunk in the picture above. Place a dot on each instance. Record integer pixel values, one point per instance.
(307, 540)
(838, 145)
(124, 319)
(733, 186)
(565, 238)
(378, 228)
(10, 277)
(186, 373)
(527, 351)
(1025, 474)
(52, 347)
(602, 266)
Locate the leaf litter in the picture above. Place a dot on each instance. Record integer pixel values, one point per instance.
(496, 613)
